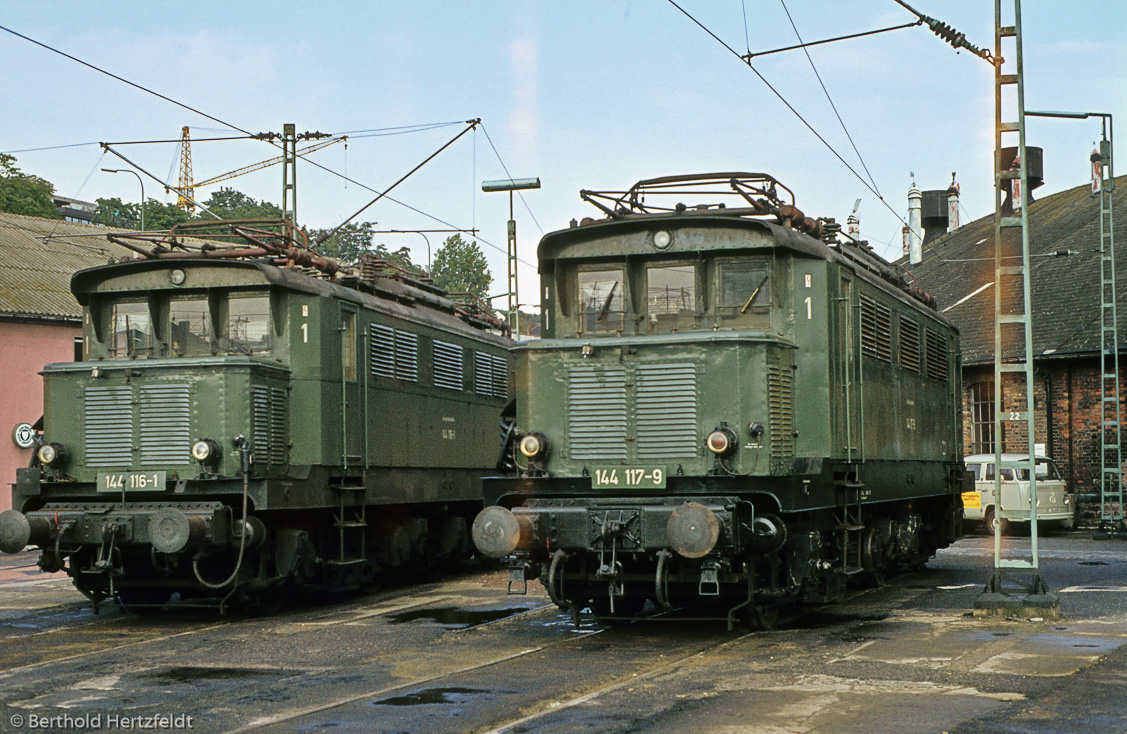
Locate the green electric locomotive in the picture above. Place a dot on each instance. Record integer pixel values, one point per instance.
(245, 423)
(731, 410)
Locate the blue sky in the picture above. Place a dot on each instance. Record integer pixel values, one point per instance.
(582, 94)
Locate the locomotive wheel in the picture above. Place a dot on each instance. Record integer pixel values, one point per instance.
(873, 558)
(990, 520)
(142, 602)
(763, 617)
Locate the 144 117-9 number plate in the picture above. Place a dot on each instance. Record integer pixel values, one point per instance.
(132, 481)
(629, 477)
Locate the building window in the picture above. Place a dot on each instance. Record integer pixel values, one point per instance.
(982, 418)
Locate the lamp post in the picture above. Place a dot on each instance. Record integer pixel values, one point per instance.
(1112, 523)
(511, 185)
(122, 170)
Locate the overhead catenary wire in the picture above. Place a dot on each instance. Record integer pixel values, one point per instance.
(231, 126)
(123, 80)
(789, 106)
(510, 175)
(828, 97)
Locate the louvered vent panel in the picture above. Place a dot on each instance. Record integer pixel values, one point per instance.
(876, 330)
(448, 365)
(500, 377)
(277, 426)
(909, 344)
(406, 356)
(269, 412)
(165, 425)
(108, 428)
(780, 404)
(936, 355)
(381, 351)
(483, 373)
(596, 418)
(666, 411)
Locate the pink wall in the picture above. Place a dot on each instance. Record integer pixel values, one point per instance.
(24, 349)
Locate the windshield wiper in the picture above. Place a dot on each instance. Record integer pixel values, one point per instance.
(606, 304)
(754, 293)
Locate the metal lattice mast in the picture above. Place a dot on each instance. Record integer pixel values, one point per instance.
(1016, 582)
(1111, 453)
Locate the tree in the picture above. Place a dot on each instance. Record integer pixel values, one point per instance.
(114, 212)
(460, 267)
(22, 193)
(231, 204)
(347, 245)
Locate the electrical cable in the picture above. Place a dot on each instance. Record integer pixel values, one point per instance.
(827, 92)
(790, 107)
(519, 194)
(246, 132)
(126, 81)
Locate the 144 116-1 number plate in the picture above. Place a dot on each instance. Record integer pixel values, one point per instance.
(629, 477)
(132, 481)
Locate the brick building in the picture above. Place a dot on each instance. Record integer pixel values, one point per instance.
(40, 322)
(958, 270)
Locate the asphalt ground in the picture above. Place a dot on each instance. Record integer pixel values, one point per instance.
(459, 655)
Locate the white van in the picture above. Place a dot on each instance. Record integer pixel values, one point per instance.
(1055, 503)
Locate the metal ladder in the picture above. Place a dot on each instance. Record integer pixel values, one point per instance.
(1111, 454)
(351, 522)
(850, 525)
(1014, 578)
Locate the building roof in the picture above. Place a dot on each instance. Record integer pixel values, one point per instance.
(958, 271)
(38, 257)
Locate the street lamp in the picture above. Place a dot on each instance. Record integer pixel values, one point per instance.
(511, 185)
(1111, 459)
(121, 170)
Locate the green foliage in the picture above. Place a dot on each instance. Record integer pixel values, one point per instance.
(227, 203)
(114, 212)
(460, 267)
(355, 239)
(22, 193)
(347, 245)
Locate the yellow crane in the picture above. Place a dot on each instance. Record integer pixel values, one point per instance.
(187, 187)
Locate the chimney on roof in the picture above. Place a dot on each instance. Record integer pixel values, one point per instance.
(953, 205)
(915, 204)
(853, 227)
(1097, 171)
(1035, 173)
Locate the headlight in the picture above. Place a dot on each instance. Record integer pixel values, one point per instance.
(205, 451)
(721, 441)
(535, 445)
(52, 454)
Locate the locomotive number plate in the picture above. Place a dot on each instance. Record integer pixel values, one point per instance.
(132, 481)
(627, 477)
(972, 500)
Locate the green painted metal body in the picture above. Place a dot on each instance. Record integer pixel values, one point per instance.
(369, 411)
(824, 392)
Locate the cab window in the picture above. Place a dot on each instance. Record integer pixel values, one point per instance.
(744, 292)
(132, 329)
(600, 300)
(190, 329)
(248, 324)
(671, 297)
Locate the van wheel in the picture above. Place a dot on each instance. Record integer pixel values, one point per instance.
(990, 520)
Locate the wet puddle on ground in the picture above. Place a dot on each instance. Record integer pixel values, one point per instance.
(457, 617)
